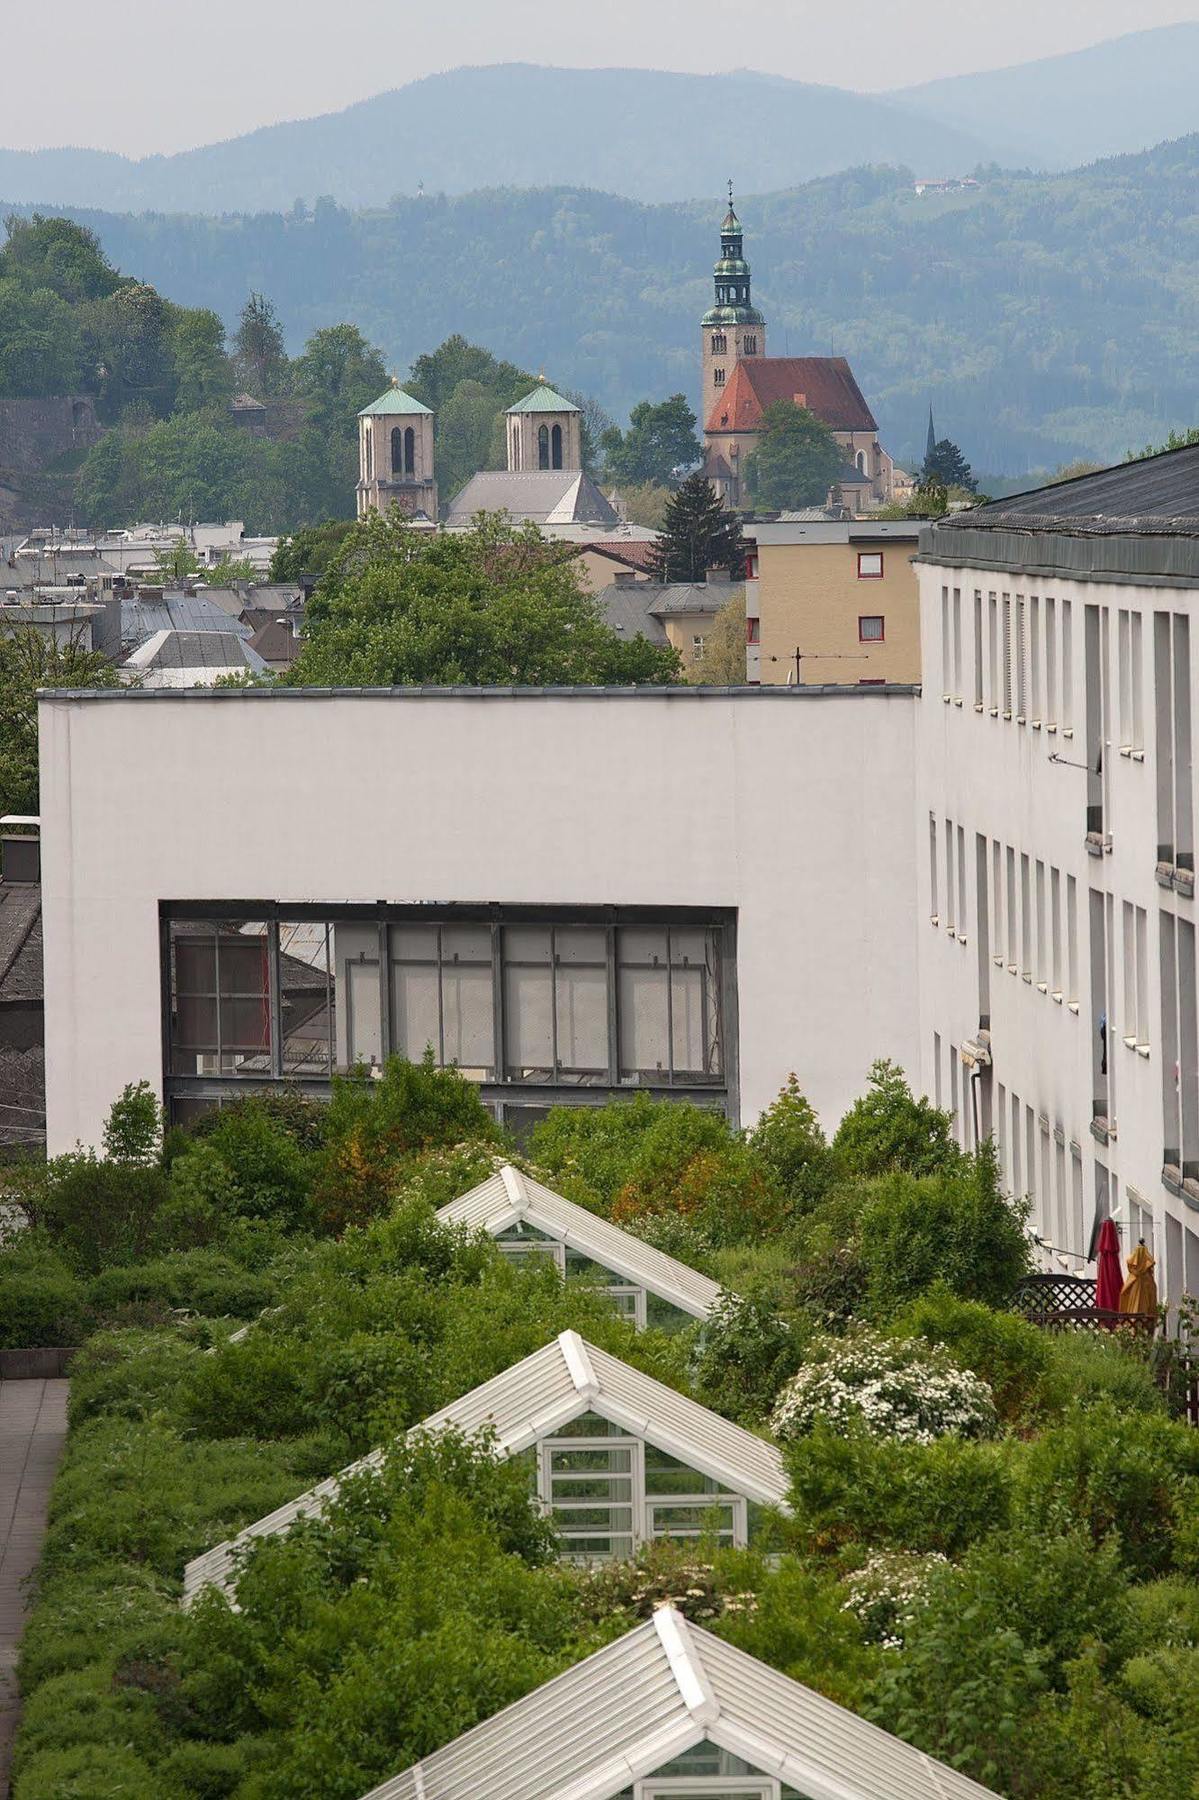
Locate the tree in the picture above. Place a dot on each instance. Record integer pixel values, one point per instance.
(698, 533)
(660, 440)
(59, 256)
(723, 663)
(338, 374)
(29, 661)
(469, 390)
(258, 347)
(644, 504)
(203, 372)
(796, 461)
(494, 605)
(309, 551)
(946, 465)
(177, 562)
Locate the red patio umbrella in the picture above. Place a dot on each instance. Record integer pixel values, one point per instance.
(1110, 1277)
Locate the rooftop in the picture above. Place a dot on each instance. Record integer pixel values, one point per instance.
(394, 400)
(824, 384)
(681, 692)
(538, 496)
(544, 399)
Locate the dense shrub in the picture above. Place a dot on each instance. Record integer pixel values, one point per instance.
(96, 1212)
(297, 1116)
(792, 1148)
(1085, 1368)
(898, 1388)
(746, 1351)
(203, 1281)
(955, 1227)
(1127, 1476)
(888, 1129)
(1011, 1356)
(861, 1490)
(41, 1300)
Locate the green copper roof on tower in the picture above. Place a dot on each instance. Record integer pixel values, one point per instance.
(544, 399)
(395, 400)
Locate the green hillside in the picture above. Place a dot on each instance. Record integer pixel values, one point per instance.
(1045, 317)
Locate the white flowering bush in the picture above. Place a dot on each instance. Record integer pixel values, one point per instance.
(887, 1591)
(899, 1388)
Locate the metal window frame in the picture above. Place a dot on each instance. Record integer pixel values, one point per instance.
(719, 1025)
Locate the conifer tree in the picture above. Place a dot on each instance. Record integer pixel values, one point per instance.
(699, 533)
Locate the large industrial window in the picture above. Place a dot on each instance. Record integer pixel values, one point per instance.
(573, 1005)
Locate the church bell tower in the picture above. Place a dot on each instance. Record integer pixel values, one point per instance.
(732, 328)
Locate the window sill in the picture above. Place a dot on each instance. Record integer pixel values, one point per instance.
(994, 712)
(1036, 724)
(1138, 756)
(1102, 1129)
(1051, 729)
(1072, 1006)
(1143, 1050)
(1042, 987)
(978, 706)
(1056, 997)
(1067, 731)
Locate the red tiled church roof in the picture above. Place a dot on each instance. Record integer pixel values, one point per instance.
(824, 384)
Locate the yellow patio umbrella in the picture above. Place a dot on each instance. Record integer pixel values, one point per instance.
(1139, 1293)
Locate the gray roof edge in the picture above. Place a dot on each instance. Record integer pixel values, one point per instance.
(684, 692)
(1054, 549)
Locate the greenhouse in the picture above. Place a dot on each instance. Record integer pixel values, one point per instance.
(616, 1457)
(670, 1712)
(527, 1219)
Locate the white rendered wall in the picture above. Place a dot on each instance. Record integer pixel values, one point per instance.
(794, 807)
(994, 776)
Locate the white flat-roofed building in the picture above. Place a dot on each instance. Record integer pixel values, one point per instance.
(1057, 816)
(572, 894)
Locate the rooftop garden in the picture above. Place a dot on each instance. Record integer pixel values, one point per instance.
(992, 1540)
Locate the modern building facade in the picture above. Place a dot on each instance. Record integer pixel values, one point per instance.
(1056, 804)
(570, 895)
(833, 602)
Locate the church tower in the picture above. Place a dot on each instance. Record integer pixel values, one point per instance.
(543, 432)
(731, 329)
(395, 456)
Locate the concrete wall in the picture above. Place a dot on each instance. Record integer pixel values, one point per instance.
(795, 808)
(992, 775)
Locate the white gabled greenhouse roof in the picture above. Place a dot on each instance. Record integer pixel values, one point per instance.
(509, 1197)
(662, 1688)
(537, 1397)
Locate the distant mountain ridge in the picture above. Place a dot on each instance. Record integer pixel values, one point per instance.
(647, 134)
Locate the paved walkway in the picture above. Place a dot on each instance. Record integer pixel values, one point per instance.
(33, 1429)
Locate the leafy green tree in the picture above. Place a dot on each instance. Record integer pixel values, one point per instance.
(310, 551)
(336, 375)
(644, 504)
(176, 562)
(698, 533)
(41, 346)
(796, 461)
(888, 1128)
(956, 1226)
(129, 336)
(258, 348)
(791, 1143)
(29, 661)
(469, 390)
(723, 660)
(58, 255)
(946, 466)
(491, 605)
(660, 439)
(203, 372)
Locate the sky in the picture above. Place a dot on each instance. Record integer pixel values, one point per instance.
(146, 76)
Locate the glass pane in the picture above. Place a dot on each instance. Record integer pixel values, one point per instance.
(246, 1024)
(597, 1549)
(581, 996)
(364, 1025)
(691, 1519)
(195, 1023)
(666, 1475)
(414, 999)
(195, 965)
(468, 1016)
(688, 948)
(466, 943)
(644, 1029)
(637, 945)
(689, 1019)
(529, 1044)
(526, 943)
(304, 983)
(574, 1519)
(414, 943)
(617, 1457)
(581, 944)
(243, 964)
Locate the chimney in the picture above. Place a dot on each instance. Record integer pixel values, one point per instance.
(715, 576)
(20, 850)
(625, 578)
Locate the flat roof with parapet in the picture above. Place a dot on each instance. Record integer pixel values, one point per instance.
(691, 695)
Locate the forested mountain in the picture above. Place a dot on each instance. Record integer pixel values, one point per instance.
(1044, 317)
(1125, 95)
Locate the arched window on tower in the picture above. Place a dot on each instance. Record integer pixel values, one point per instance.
(543, 446)
(717, 377)
(749, 346)
(397, 450)
(860, 459)
(368, 456)
(719, 343)
(409, 451)
(556, 446)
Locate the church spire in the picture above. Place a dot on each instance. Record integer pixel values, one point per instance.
(931, 442)
(733, 306)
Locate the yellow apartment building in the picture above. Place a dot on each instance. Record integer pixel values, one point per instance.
(832, 602)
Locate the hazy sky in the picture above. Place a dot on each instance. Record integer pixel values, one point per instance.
(159, 75)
